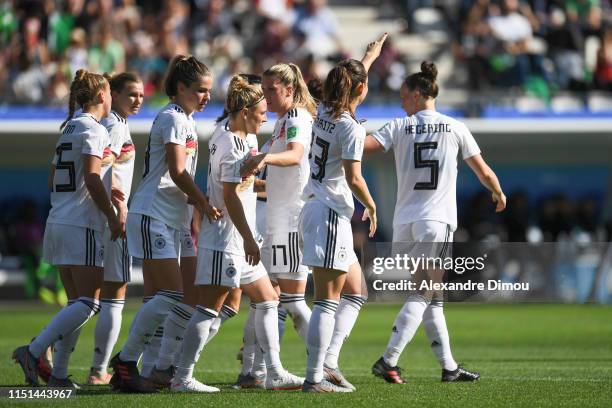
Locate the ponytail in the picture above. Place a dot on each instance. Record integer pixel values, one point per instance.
(186, 70)
(340, 87)
(83, 90)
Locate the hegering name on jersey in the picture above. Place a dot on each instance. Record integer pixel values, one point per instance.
(324, 125)
(428, 128)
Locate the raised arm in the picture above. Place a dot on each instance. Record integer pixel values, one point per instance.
(373, 51)
(488, 179)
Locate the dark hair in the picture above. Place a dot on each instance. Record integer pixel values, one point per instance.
(315, 87)
(252, 79)
(183, 69)
(117, 82)
(341, 84)
(424, 81)
(83, 89)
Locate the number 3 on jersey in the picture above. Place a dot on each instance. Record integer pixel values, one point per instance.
(432, 165)
(322, 159)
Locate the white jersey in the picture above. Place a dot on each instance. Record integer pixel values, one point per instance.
(260, 209)
(227, 154)
(122, 148)
(334, 140)
(426, 147)
(157, 196)
(285, 185)
(71, 203)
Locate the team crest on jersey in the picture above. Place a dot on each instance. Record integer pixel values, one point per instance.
(127, 152)
(160, 242)
(230, 272)
(342, 254)
(101, 253)
(191, 145)
(188, 242)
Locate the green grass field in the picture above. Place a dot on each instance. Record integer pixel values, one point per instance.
(528, 355)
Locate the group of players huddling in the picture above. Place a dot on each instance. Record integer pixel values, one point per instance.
(268, 219)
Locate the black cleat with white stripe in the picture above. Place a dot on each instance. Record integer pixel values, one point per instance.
(460, 374)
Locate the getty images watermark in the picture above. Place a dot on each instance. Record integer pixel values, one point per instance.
(429, 273)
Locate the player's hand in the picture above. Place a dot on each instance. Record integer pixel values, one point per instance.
(115, 226)
(251, 251)
(122, 216)
(246, 183)
(500, 200)
(252, 165)
(212, 213)
(373, 49)
(371, 214)
(117, 196)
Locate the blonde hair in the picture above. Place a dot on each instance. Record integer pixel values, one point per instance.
(83, 90)
(290, 75)
(241, 94)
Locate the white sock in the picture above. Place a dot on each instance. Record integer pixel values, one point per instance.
(298, 310)
(266, 329)
(151, 352)
(405, 326)
(320, 333)
(249, 341)
(151, 315)
(137, 316)
(62, 350)
(174, 330)
(195, 338)
(107, 332)
(225, 314)
(259, 363)
(346, 316)
(437, 333)
(69, 319)
(282, 317)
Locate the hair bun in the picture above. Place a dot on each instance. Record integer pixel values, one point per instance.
(429, 70)
(80, 74)
(238, 83)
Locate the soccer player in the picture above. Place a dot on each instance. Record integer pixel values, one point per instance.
(118, 165)
(324, 224)
(228, 255)
(80, 207)
(287, 175)
(159, 208)
(426, 144)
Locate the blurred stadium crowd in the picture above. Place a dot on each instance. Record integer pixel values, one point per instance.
(541, 46)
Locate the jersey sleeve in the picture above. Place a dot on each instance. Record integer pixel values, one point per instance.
(230, 166)
(352, 138)
(174, 130)
(467, 143)
(299, 129)
(387, 135)
(94, 141)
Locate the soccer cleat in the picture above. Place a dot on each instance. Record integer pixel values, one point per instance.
(323, 386)
(390, 374)
(62, 383)
(191, 385)
(45, 363)
(127, 379)
(335, 376)
(28, 363)
(460, 374)
(162, 378)
(98, 377)
(284, 382)
(248, 381)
